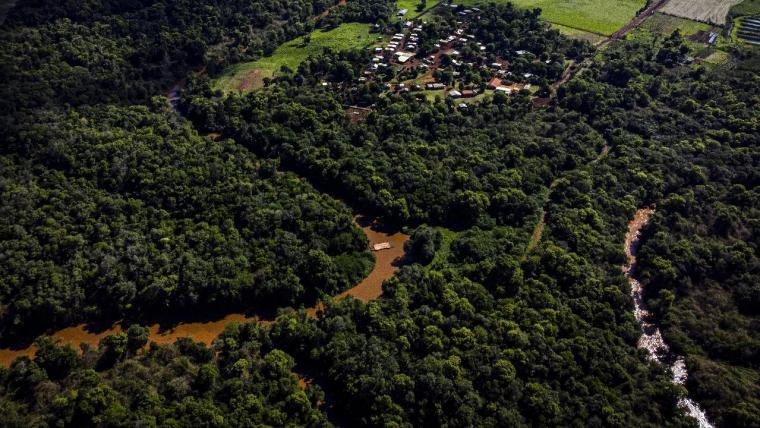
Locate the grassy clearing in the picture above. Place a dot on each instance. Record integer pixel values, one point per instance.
(596, 16)
(430, 95)
(250, 75)
(411, 6)
(718, 58)
(746, 8)
(473, 100)
(575, 33)
(442, 255)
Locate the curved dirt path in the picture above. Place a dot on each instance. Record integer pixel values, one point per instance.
(387, 262)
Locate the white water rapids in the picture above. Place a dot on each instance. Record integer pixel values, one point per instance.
(651, 338)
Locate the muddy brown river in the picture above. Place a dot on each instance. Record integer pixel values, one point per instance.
(386, 264)
(651, 338)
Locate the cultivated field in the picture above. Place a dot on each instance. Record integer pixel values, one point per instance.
(712, 11)
(250, 75)
(597, 16)
(696, 33)
(666, 24)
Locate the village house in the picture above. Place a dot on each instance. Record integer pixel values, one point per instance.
(403, 57)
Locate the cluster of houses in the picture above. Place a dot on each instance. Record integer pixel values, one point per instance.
(399, 50)
(403, 49)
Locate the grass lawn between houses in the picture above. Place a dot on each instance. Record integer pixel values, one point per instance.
(247, 76)
(411, 6)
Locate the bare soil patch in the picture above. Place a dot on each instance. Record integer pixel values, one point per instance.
(252, 79)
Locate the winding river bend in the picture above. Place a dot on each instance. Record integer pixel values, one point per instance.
(651, 338)
(386, 264)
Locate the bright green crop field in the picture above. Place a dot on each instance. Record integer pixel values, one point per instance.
(249, 75)
(596, 16)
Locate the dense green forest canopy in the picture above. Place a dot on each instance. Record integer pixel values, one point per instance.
(686, 139)
(73, 52)
(411, 160)
(126, 210)
(242, 381)
(366, 11)
(111, 212)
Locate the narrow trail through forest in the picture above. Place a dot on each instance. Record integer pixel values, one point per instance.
(538, 231)
(387, 262)
(573, 69)
(651, 338)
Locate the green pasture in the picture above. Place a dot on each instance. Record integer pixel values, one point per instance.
(291, 54)
(411, 6)
(596, 16)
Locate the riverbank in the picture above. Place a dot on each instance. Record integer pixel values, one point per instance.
(651, 338)
(387, 262)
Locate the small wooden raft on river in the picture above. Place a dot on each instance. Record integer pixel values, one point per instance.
(381, 246)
